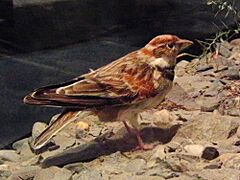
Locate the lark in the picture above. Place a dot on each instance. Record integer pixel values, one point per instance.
(118, 91)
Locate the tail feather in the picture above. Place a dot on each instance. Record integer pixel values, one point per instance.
(64, 119)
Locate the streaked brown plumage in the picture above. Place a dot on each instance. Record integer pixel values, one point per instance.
(115, 92)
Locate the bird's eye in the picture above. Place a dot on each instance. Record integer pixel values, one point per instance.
(170, 46)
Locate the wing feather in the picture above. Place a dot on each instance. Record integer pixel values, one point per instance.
(119, 83)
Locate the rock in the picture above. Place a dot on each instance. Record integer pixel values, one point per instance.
(18, 144)
(179, 162)
(193, 83)
(214, 89)
(4, 174)
(135, 166)
(184, 115)
(64, 141)
(81, 128)
(208, 127)
(89, 174)
(5, 167)
(180, 68)
(235, 42)
(194, 149)
(232, 73)
(163, 118)
(208, 104)
(75, 167)
(31, 161)
(210, 153)
(180, 98)
(230, 106)
(173, 147)
(38, 127)
(53, 173)
(25, 151)
(29, 172)
(205, 67)
(224, 49)
(230, 160)
(9, 155)
(158, 155)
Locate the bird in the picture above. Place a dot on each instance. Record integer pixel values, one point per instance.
(118, 91)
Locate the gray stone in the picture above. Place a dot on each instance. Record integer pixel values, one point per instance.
(208, 126)
(38, 128)
(9, 155)
(162, 118)
(18, 144)
(180, 97)
(25, 151)
(135, 165)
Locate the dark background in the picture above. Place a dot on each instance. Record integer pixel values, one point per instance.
(49, 41)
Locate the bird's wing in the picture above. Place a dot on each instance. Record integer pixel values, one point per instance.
(119, 83)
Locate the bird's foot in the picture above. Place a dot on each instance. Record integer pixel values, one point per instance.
(141, 145)
(146, 147)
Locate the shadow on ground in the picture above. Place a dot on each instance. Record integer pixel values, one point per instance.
(109, 143)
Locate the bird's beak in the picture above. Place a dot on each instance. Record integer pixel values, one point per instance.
(183, 43)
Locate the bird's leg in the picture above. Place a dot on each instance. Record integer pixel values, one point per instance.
(127, 127)
(136, 132)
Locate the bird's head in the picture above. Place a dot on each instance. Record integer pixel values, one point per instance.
(165, 48)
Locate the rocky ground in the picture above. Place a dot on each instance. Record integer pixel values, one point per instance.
(197, 128)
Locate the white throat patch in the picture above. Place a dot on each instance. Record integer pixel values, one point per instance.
(160, 62)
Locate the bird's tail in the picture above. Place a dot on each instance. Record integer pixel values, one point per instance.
(64, 119)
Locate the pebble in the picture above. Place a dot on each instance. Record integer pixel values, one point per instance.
(135, 165)
(210, 153)
(9, 155)
(18, 144)
(194, 149)
(205, 67)
(164, 118)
